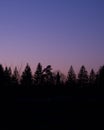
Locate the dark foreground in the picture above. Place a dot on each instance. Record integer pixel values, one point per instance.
(52, 109)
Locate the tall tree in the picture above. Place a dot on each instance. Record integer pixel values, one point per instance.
(26, 78)
(38, 76)
(58, 79)
(15, 77)
(83, 77)
(92, 78)
(2, 80)
(8, 76)
(71, 78)
(48, 75)
(100, 77)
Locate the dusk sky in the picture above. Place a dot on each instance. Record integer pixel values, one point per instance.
(56, 32)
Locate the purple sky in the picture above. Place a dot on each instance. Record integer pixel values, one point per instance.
(56, 32)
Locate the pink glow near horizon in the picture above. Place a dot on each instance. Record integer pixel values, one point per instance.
(59, 33)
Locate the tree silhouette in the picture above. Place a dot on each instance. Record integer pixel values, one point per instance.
(2, 80)
(92, 78)
(71, 78)
(48, 75)
(7, 76)
(58, 79)
(26, 78)
(100, 77)
(83, 77)
(38, 76)
(15, 77)
(45, 77)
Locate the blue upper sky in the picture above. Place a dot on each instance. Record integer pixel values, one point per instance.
(56, 32)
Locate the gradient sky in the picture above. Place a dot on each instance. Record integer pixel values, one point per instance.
(56, 32)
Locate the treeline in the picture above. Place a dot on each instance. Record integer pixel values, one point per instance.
(45, 77)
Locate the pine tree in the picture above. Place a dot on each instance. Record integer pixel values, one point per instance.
(48, 75)
(58, 79)
(92, 78)
(8, 76)
(15, 77)
(83, 77)
(38, 76)
(71, 78)
(100, 77)
(26, 78)
(2, 80)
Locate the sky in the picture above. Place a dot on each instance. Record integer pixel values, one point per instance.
(57, 32)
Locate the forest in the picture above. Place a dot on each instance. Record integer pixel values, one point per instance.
(47, 99)
(46, 78)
